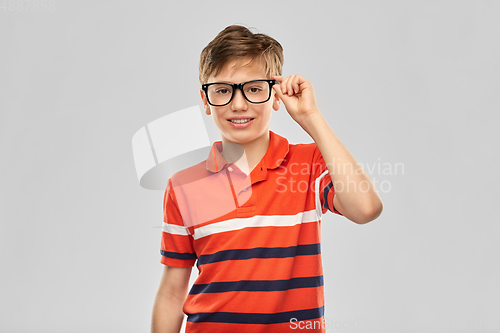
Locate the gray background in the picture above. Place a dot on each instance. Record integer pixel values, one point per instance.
(412, 82)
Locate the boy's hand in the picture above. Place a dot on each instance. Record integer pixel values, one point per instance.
(298, 96)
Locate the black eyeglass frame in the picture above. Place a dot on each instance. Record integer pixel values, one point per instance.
(239, 86)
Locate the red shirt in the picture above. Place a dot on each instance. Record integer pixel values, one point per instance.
(255, 239)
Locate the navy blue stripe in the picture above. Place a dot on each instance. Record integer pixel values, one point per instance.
(258, 285)
(176, 255)
(326, 190)
(255, 318)
(260, 252)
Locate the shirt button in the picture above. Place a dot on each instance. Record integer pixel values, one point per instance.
(230, 169)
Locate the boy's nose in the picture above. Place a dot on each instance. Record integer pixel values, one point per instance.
(239, 102)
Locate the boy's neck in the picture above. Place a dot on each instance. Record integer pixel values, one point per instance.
(254, 152)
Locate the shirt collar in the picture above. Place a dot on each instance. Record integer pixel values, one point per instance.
(276, 152)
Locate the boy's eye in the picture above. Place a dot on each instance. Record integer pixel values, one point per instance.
(254, 90)
(222, 91)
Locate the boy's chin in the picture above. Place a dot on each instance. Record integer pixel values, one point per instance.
(240, 138)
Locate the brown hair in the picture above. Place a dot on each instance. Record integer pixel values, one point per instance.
(236, 42)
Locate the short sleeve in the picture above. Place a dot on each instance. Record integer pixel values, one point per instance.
(324, 190)
(176, 241)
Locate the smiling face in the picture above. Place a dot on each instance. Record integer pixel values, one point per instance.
(257, 129)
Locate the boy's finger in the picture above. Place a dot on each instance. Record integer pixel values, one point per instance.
(283, 85)
(296, 84)
(277, 89)
(289, 87)
(280, 80)
(281, 95)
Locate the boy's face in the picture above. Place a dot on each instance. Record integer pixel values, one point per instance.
(235, 72)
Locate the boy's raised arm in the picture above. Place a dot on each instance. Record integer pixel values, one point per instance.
(167, 314)
(359, 206)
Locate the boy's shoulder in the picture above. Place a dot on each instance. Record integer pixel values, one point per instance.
(304, 150)
(304, 154)
(293, 148)
(280, 149)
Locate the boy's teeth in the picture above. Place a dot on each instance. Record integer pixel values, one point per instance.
(240, 121)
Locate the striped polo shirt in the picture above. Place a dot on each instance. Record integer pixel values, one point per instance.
(255, 239)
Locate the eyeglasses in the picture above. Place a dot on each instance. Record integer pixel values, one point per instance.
(222, 93)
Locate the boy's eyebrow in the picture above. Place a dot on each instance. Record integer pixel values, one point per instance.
(220, 82)
(237, 82)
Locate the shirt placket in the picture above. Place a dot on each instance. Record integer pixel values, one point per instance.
(240, 183)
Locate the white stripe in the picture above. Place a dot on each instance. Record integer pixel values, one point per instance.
(256, 221)
(174, 229)
(319, 210)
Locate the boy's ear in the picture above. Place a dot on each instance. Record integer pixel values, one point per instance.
(205, 102)
(276, 102)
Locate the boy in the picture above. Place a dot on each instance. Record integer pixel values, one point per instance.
(250, 214)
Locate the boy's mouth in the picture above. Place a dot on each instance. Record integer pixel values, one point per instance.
(240, 121)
